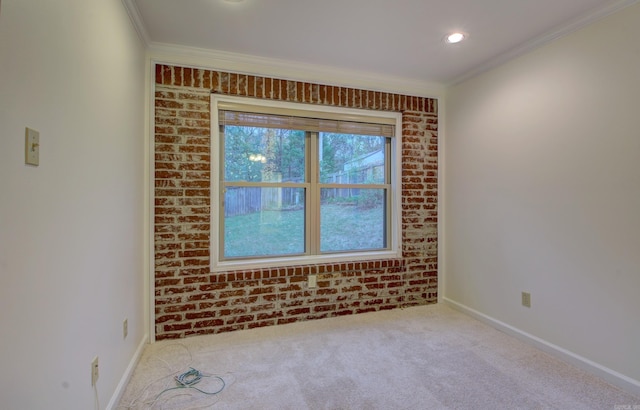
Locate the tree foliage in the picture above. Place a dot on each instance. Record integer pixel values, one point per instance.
(252, 154)
(255, 154)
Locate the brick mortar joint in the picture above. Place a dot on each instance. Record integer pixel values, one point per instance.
(178, 89)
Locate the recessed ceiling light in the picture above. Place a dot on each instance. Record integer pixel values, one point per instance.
(454, 38)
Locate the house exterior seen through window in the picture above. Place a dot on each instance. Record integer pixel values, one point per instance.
(302, 184)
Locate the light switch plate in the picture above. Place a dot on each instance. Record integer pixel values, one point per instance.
(32, 147)
(95, 373)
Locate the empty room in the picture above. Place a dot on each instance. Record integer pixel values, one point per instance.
(298, 204)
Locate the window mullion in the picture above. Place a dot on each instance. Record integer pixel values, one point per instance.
(314, 191)
(259, 184)
(358, 186)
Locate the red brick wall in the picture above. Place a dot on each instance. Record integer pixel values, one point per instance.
(190, 299)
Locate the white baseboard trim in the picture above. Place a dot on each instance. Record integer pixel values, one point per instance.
(619, 380)
(117, 394)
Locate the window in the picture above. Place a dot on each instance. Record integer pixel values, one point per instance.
(302, 184)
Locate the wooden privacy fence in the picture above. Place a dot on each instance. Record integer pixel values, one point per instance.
(246, 200)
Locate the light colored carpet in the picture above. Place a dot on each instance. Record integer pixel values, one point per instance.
(428, 357)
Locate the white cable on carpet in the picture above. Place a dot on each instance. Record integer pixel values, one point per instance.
(184, 381)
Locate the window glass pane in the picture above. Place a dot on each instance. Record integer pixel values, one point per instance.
(255, 154)
(351, 159)
(352, 219)
(263, 221)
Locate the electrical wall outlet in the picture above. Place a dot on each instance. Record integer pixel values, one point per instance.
(94, 371)
(312, 281)
(526, 299)
(125, 328)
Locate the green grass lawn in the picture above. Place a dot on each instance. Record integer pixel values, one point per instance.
(282, 232)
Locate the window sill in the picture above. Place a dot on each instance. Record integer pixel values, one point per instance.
(303, 260)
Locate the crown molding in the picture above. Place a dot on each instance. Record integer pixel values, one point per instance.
(289, 70)
(561, 31)
(136, 19)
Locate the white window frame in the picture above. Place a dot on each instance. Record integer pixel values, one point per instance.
(394, 251)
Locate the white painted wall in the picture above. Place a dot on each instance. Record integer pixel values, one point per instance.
(542, 170)
(71, 230)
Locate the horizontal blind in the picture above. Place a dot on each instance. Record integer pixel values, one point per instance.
(308, 122)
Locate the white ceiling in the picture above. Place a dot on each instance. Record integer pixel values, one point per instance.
(401, 39)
